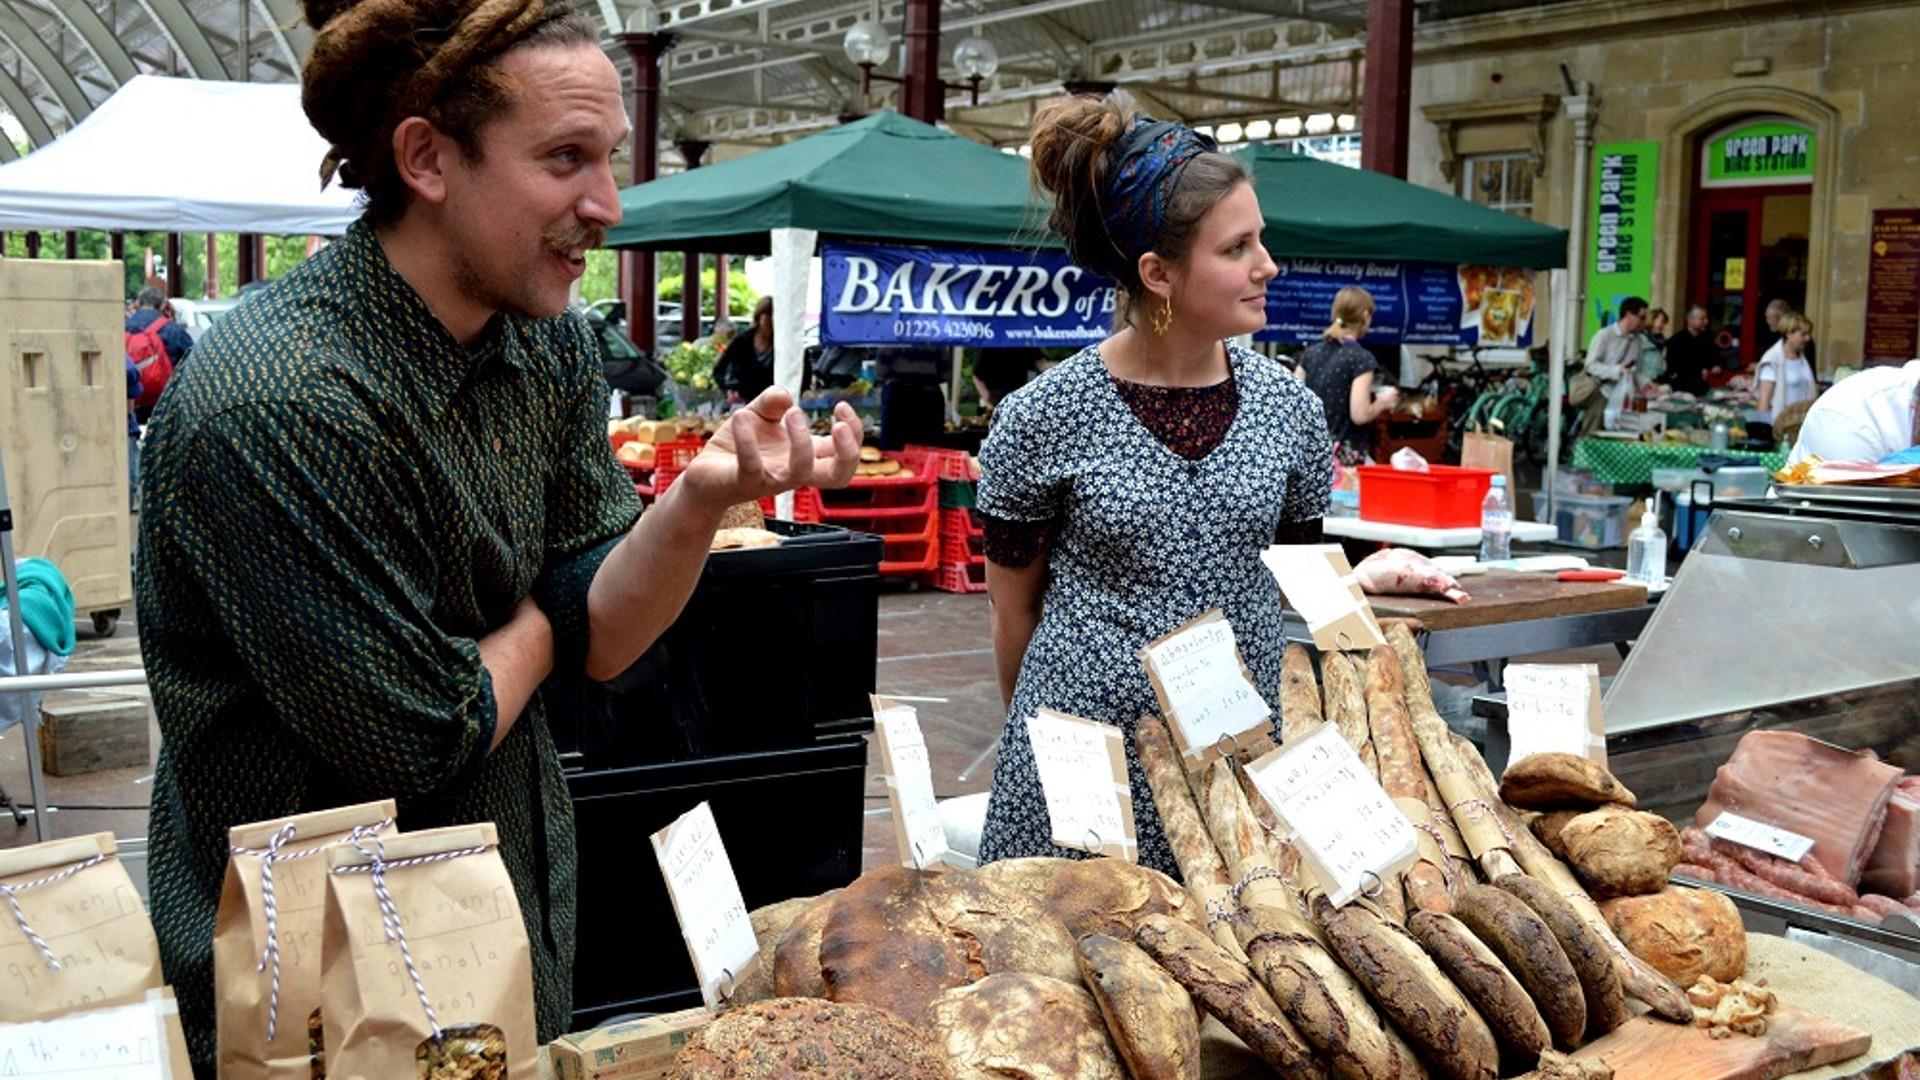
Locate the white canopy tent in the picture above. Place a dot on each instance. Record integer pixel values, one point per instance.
(181, 155)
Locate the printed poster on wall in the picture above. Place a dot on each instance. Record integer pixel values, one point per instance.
(1415, 303)
(1893, 287)
(877, 294)
(1625, 176)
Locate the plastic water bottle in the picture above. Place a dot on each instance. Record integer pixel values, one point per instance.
(1647, 551)
(1496, 523)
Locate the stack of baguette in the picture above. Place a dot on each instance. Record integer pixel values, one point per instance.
(1486, 959)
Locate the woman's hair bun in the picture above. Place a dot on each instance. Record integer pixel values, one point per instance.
(321, 12)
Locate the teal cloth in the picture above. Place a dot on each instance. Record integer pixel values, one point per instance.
(1617, 461)
(46, 605)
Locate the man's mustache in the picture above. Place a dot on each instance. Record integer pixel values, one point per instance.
(581, 237)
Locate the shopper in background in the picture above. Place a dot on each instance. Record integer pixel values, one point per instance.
(1658, 322)
(1344, 375)
(1613, 361)
(1692, 355)
(745, 368)
(1871, 416)
(1133, 486)
(1777, 309)
(384, 508)
(999, 372)
(1785, 376)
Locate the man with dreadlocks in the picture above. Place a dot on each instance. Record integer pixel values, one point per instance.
(382, 507)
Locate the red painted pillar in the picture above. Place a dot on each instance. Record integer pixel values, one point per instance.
(117, 246)
(646, 50)
(722, 296)
(73, 244)
(33, 244)
(245, 268)
(921, 96)
(1386, 104)
(176, 268)
(694, 151)
(212, 288)
(258, 245)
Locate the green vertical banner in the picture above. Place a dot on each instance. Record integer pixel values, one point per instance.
(1620, 263)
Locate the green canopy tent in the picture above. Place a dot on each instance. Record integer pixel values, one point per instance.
(884, 177)
(1317, 209)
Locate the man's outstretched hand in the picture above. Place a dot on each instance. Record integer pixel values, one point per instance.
(767, 448)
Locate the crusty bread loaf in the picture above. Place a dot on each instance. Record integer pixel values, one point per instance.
(1147, 1012)
(1557, 781)
(1224, 986)
(769, 923)
(796, 952)
(1524, 942)
(1094, 896)
(789, 1037)
(1684, 933)
(1500, 999)
(1028, 1026)
(1620, 852)
(1549, 827)
(1599, 980)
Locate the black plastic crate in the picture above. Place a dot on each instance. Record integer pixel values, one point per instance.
(791, 822)
(775, 650)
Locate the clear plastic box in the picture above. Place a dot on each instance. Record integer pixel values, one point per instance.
(1589, 521)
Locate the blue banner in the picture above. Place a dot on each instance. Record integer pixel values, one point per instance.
(1415, 303)
(874, 294)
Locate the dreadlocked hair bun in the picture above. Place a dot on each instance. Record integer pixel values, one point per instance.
(1071, 138)
(376, 62)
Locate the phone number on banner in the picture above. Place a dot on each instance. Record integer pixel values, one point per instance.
(941, 330)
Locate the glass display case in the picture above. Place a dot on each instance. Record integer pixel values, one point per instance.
(1781, 675)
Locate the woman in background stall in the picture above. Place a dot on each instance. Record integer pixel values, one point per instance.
(1347, 378)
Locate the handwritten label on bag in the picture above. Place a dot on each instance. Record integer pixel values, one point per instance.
(917, 829)
(1348, 831)
(1759, 836)
(1555, 708)
(125, 1042)
(1083, 771)
(706, 900)
(1319, 584)
(1204, 689)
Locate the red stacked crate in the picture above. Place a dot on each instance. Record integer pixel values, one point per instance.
(903, 510)
(963, 558)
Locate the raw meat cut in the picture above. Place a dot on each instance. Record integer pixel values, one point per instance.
(1833, 797)
(1894, 867)
(1399, 572)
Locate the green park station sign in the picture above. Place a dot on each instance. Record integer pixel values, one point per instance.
(1620, 259)
(1763, 152)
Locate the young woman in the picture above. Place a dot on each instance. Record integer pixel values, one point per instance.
(1133, 486)
(1785, 377)
(745, 368)
(1343, 374)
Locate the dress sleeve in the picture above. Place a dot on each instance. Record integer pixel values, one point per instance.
(1309, 462)
(591, 505)
(305, 540)
(1022, 490)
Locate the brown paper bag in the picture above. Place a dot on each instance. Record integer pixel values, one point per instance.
(76, 935)
(1480, 450)
(264, 1033)
(140, 1037)
(426, 970)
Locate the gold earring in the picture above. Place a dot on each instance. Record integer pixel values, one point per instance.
(1163, 319)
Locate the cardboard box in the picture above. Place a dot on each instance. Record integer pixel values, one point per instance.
(636, 1050)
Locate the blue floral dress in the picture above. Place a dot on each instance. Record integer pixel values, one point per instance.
(1142, 541)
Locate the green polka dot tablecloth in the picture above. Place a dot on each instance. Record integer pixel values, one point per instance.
(1616, 461)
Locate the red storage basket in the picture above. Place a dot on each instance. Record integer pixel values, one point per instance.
(1444, 497)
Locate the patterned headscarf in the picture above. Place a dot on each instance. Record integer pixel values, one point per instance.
(1143, 168)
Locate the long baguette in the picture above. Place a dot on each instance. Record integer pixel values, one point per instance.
(1299, 695)
(1227, 990)
(1200, 864)
(1418, 689)
(1638, 977)
(1404, 778)
(1599, 978)
(1503, 1003)
(1412, 990)
(1525, 943)
(1346, 701)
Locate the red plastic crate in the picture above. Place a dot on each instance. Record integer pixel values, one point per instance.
(678, 453)
(966, 577)
(948, 464)
(1444, 497)
(908, 501)
(961, 537)
(806, 505)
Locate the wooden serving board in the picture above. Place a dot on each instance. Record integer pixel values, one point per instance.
(1650, 1049)
(1505, 596)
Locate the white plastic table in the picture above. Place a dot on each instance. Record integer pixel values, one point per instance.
(1424, 539)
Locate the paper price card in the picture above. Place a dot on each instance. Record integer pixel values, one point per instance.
(917, 829)
(1318, 583)
(126, 1042)
(1555, 708)
(1083, 770)
(1759, 836)
(706, 900)
(1349, 833)
(1205, 691)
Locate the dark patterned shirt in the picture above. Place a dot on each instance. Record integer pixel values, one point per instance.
(1330, 368)
(340, 500)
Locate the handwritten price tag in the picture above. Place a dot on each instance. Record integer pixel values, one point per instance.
(1759, 836)
(1555, 708)
(706, 900)
(1319, 584)
(1203, 688)
(917, 828)
(1349, 833)
(1083, 771)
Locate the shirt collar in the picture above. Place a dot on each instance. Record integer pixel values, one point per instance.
(436, 365)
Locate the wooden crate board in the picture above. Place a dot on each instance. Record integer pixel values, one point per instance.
(1505, 596)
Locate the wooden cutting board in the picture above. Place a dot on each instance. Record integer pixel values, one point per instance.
(1504, 596)
(1796, 1039)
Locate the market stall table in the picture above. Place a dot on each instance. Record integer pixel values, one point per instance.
(1621, 461)
(1513, 614)
(1424, 539)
